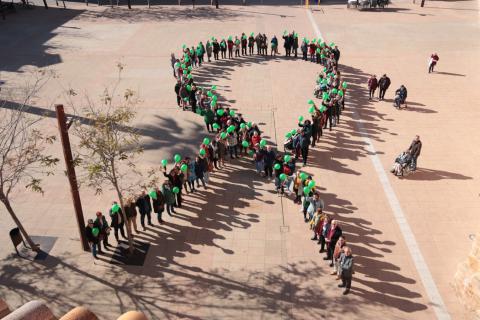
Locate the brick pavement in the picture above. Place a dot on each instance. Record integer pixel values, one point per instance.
(228, 254)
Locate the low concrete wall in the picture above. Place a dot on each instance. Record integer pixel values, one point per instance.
(33, 310)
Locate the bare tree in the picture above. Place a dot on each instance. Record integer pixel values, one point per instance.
(109, 145)
(22, 144)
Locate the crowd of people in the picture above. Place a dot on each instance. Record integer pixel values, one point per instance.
(236, 137)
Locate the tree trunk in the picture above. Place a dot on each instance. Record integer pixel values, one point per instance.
(6, 202)
(131, 248)
(129, 4)
(422, 4)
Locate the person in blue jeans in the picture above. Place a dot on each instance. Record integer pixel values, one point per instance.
(92, 238)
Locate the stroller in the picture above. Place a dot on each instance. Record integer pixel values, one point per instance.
(403, 164)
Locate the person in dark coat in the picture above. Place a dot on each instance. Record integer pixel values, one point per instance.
(145, 208)
(200, 168)
(334, 233)
(216, 49)
(287, 44)
(102, 225)
(372, 86)
(178, 85)
(158, 205)
(336, 54)
(193, 98)
(93, 240)
(223, 48)
(304, 146)
(295, 44)
(304, 49)
(176, 178)
(346, 269)
(415, 148)
(383, 85)
(268, 160)
(244, 44)
(169, 196)
(117, 222)
(251, 42)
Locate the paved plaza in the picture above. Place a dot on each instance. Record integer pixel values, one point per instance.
(237, 250)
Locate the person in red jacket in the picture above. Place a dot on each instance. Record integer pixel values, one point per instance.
(372, 86)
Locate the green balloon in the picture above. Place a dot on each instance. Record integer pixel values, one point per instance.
(288, 135)
(214, 98)
(251, 152)
(311, 101)
(311, 184)
(216, 126)
(311, 109)
(153, 194)
(177, 158)
(223, 135)
(202, 152)
(232, 113)
(209, 93)
(189, 77)
(306, 191)
(323, 109)
(213, 104)
(340, 93)
(249, 124)
(287, 158)
(300, 119)
(243, 125)
(231, 128)
(334, 91)
(293, 132)
(220, 112)
(303, 176)
(95, 231)
(263, 143)
(189, 87)
(282, 177)
(175, 190)
(245, 143)
(184, 167)
(277, 166)
(115, 208)
(214, 87)
(344, 85)
(206, 141)
(164, 162)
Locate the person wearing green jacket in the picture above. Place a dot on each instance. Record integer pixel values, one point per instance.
(209, 118)
(169, 196)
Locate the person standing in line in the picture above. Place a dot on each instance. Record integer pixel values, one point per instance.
(173, 60)
(372, 86)
(251, 41)
(208, 49)
(158, 204)
(287, 44)
(230, 45)
(432, 62)
(216, 49)
(199, 170)
(265, 44)
(304, 146)
(169, 197)
(244, 44)
(269, 159)
(415, 148)
(295, 44)
(346, 266)
(259, 42)
(117, 221)
(102, 225)
(178, 86)
(145, 208)
(304, 48)
(131, 213)
(223, 48)
(337, 255)
(236, 45)
(334, 233)
(383, 85)
(92, 233)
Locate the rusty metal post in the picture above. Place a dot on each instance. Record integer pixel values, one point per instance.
(72, 178)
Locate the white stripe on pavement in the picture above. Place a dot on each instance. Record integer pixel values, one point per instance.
(430, 287)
